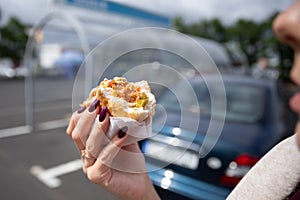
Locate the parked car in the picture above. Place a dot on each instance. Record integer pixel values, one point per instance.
(252, 126)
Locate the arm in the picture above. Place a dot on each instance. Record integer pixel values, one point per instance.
(274, 176)
(118, 169)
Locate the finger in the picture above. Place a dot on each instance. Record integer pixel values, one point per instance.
(72, 123)
(100, 172)
(84, 125)
(111, 150)
(77, 140)
(74, 120)
(97, 138)
(88, 159)
(71, 126)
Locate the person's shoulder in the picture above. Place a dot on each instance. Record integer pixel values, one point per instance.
(274, 176)
(288, 143)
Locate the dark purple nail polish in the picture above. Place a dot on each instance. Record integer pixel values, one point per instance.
(122, 132)
(102, 114)
(81, 109)
(94, 105)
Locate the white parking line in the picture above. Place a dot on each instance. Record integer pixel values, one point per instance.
(52, 124)
(21, 130)
(50, 176)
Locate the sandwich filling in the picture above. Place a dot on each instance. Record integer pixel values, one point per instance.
(124, 99)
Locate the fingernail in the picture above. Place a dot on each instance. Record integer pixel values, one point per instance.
(102, 114)
(94, 105)
(122, 132)
(81, 109)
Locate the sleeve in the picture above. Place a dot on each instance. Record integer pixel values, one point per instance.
(274, 176)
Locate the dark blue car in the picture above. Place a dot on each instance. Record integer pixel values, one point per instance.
(183, 166)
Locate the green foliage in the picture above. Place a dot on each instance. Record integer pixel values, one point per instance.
(255, 39)
(13, 38)
(212, 29)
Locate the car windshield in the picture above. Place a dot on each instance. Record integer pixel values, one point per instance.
(244, 103)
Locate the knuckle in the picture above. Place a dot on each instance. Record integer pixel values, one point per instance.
(92, 177)
(98, 176)
(104, 158)
(90, 147)
(69, 133)
(75, 135)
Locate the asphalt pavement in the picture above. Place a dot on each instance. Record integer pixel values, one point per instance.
(44, 164)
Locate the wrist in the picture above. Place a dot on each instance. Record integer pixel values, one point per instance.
(150, 192)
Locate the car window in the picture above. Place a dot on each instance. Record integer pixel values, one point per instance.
(245, 103)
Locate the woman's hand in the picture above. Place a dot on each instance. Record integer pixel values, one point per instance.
(119, 169)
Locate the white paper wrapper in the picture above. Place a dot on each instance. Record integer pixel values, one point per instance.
(136, 130)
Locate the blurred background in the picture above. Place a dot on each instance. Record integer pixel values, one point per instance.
(43, 44)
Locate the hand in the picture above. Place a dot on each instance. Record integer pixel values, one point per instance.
(119, 169)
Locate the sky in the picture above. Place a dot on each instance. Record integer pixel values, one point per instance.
(31, 11)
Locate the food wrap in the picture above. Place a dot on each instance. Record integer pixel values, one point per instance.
(136, 130)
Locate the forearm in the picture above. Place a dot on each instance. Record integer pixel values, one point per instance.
(139, 190)
(150, 193)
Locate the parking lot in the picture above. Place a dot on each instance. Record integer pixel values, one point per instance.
(31, 163)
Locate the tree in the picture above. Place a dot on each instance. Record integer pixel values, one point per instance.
(255, 39)
(13, 40)
(250, 35)
(212, 29)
